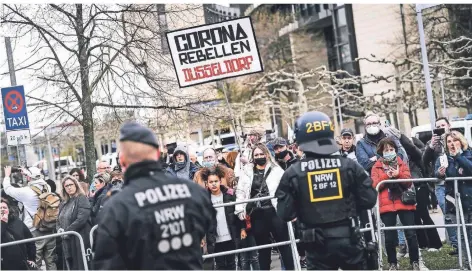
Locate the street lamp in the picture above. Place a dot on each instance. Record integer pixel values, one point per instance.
(424, 56)
(271, 104)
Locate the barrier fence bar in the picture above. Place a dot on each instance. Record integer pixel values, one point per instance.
(92, 230)
(466, 237)
(458, 225)
(247, 249)
(458, 230)
(34, 239)
(293, 245)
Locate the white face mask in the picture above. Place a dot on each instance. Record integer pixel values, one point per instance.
(373, 130)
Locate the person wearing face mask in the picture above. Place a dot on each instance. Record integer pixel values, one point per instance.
(391, 202)
(242, 162)
(181, 165)
(459, 164)
(209, 161)
(366, 147)
(263, 181)
(284, 157)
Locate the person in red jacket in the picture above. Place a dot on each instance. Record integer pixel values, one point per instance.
(390, 166)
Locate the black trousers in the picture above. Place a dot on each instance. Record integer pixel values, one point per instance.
(391, 236)
(336, 253)
(227, 262)
(264, 223)
(427, 238)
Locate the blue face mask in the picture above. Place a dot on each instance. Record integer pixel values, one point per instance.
(208, 163)
(390, 156)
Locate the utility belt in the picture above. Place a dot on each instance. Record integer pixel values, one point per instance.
(343, 229)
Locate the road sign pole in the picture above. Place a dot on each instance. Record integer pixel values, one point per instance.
(424, 56)
(20, 149)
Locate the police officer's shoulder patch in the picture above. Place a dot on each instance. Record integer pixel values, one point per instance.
(325, 185)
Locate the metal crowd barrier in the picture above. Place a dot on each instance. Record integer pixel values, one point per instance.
(459, 216)
(54, 235)
(292, 242)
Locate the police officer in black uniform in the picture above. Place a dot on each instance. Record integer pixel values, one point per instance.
(156, 222)
(323, 191)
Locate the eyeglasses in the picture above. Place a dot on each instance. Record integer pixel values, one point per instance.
(372, 124)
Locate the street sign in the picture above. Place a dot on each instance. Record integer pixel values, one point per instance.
(16, 116)
(19, 137)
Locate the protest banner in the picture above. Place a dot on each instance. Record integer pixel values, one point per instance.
(215, 51)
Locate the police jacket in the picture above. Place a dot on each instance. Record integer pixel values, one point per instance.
(157, 222)
(324, 190)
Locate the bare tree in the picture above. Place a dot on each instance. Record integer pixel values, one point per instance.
(97, 59)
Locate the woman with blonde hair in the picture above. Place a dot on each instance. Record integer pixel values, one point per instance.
(74, 214)
(262, 181)
(458, 164)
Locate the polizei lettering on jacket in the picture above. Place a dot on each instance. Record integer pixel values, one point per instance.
(162, 194)
(320, 163)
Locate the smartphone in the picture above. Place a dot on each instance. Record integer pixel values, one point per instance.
(443, 161)
(439, 131)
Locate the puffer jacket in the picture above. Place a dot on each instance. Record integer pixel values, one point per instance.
(243, 189)
(459, 166)
(391, 202)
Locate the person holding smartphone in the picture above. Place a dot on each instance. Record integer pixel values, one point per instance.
(435, 149)
(459, 164)
(391, 205)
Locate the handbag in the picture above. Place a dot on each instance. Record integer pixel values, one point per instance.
(257, 206)
(409, 196)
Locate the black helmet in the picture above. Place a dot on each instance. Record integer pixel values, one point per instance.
(314, 133)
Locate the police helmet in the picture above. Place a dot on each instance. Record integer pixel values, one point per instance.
(314, 133)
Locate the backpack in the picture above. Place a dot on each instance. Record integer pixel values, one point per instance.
(48, 210)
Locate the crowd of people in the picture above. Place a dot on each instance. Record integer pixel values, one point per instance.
(253, 171)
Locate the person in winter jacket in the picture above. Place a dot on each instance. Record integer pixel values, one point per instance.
(348, 148)
(459, 165)
(16, 257)
(242, 163)
(181, 165)
(103, 185)
(435, 148)
(427, 238)
(390, 166)
(74, 214)
(263, 180)
(210, 160)
(285, 158)
(225, 234)
(45, 249)
(366, 147)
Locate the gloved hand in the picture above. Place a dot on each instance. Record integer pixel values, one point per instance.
(242, 215)
(392, 132)
(60, 230)
(32, 264)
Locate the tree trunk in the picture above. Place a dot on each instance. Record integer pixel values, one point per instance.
(87, 106)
